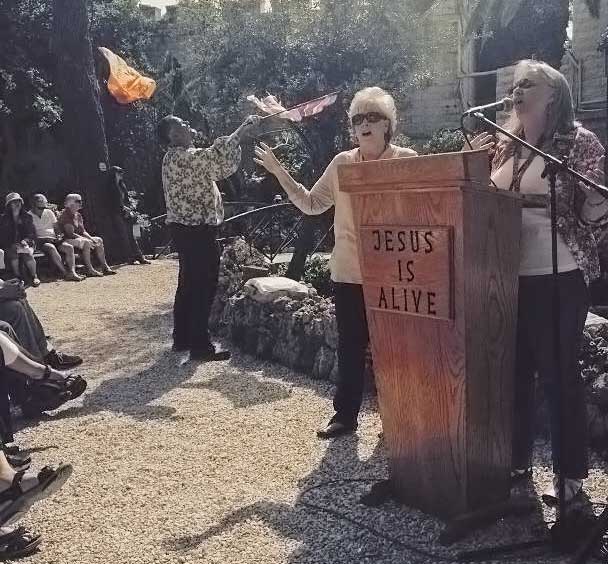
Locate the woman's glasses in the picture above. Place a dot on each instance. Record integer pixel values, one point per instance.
(371, 117)
(523, 84)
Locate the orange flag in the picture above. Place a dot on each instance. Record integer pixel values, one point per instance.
(124, 82)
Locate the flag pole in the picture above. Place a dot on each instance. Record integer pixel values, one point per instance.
(301, 104)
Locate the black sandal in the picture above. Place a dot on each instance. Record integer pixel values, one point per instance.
(46, 394)
(17, 458)
(18, 544)
(50, 480)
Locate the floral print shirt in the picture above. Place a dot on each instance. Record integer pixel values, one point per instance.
(189, 176)
(585, 154)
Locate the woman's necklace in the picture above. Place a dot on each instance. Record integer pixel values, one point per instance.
(519, 171)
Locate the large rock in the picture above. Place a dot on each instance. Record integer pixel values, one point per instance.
(268, 289)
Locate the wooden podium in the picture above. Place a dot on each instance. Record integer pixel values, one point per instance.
(439, 254)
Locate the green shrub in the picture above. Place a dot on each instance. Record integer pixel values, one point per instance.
(444, 141)
(317, 273)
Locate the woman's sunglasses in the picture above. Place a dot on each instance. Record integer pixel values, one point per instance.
(371, 117)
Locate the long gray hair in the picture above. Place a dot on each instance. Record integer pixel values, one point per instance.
(560, 110)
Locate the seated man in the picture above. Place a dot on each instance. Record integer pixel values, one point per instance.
(45, 224)
(72, 226)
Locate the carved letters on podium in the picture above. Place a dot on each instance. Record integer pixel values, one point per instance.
(409, 269)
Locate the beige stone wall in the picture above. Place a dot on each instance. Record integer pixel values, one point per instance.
(592, 93)
(585, 37)
(439, 102)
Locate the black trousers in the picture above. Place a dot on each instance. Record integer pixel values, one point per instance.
(353, 337)
(199, 260)
(536, 352)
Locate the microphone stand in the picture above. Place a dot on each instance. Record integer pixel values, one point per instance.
(553, 166)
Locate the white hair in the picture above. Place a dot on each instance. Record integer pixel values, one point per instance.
(71, 197)
(375, 99)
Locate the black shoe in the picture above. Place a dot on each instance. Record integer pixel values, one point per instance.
(209, 356)
(178, 347)
(61, 361)
(18, 459)
(336, 429)
(19, 462)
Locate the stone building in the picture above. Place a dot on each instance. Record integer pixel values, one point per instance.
(455, 84)
(589, 65)
(449, 88)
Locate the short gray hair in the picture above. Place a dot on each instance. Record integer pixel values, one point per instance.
(374, 98)
(71, 197)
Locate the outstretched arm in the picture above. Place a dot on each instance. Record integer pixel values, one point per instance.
(312, 202)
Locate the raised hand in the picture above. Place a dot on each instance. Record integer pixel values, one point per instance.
(483, 141)
(266, 158)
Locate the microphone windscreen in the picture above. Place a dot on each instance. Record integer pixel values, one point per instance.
(507, 104)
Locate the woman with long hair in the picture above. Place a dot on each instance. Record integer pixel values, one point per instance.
(543, 114)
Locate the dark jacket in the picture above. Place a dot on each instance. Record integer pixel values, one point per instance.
(118, 196)
(11, 233)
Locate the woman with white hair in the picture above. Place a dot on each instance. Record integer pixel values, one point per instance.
(373, 118)
(544, 116)
(72, 226)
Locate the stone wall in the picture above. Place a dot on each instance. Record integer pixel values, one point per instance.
(586, 32)
(298, 333)
(439, 103)
(591, 96)
(301, 334)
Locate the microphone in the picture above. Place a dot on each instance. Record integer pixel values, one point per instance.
(504, 105)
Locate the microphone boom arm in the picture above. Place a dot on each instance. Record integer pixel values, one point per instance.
(549, 159)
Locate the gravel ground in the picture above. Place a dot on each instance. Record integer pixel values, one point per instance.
(210, 463)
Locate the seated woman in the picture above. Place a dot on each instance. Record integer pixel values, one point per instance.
(71, 224)
(373, 119)
(17, 237)
(544, 116)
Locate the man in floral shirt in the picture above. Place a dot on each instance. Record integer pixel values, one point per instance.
(194, 211)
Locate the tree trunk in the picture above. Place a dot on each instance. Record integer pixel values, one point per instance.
(7, 167)
(83, 122)
(303, 246)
